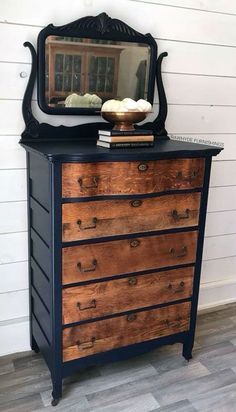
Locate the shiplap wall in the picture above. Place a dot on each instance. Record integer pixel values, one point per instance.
(200, 80)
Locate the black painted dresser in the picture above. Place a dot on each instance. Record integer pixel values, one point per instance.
(115, 246)
(115, 236)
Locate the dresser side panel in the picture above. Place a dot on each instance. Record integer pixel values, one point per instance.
(39, 176)
(40, 254)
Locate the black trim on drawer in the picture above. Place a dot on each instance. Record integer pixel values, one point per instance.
(144, 272)
(129, 236)
(123, 196)
(127, 312)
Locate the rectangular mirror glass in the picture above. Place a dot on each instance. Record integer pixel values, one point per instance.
(84, 73)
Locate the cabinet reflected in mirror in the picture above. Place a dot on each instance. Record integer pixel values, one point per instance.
(84, 73)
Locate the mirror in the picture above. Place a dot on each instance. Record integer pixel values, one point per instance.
(82, 72)
(87, 62)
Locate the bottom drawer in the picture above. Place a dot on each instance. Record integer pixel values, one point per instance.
(90, 338)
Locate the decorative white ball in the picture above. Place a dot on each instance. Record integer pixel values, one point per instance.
(126, 105)
(95, 100)
(144, 106)
(72, 100)
(107, 106)
(116, 106)
(130, 104)
(88, 100)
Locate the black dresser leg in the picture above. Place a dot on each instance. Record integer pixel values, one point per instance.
(187, 350)
(34, 345)
(57, 391)
(54, 401)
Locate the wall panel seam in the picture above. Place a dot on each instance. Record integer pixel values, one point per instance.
(163, 71)
(14, 291)
(184, 7)
(7, 322)
(155, 102)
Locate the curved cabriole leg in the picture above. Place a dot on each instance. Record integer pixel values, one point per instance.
(187, 350)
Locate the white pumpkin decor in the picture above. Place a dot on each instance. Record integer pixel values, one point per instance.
(88, 100)
(126, 105)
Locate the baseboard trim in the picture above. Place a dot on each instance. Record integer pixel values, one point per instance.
(214, 295)
(213, 307)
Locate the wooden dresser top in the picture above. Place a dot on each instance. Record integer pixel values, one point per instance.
(76, 151)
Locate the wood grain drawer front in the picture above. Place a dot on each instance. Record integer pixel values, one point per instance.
(115, 178)
(100, 260)
(87, 220)
(120, 295)
(90, 338)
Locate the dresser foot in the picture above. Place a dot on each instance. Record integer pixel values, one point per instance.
(56, 392)
(55, 401)
(187, 351)
(34, 345)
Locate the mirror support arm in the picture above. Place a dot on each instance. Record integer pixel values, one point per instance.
(158, 125)
(159, 122)
(31, 124)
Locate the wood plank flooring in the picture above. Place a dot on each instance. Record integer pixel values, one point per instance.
(160, 381)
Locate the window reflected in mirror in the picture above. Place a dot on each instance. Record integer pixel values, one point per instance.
(82, 72)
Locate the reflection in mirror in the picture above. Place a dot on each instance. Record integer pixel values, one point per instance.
(82, 72)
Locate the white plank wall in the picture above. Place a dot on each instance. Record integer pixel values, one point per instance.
(200, 80)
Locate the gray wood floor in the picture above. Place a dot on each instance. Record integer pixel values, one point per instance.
(160, 381)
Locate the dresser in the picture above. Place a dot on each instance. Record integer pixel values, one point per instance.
(115, 236)
(115, 246)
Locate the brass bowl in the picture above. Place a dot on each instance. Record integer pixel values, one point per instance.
(124, 120)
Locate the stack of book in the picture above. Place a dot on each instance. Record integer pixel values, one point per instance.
(117, 139)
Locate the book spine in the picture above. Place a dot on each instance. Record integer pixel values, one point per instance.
(125, 132)
(126, 139)
(130, 144)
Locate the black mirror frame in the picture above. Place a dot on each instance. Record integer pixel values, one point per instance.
(98, 27)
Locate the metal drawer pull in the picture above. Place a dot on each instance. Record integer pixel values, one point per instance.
(92, 186)
(132, 281)
(193, 175)
(178, 322)
(86, 345)
(179, 175)
(134, 243)
(175, 323)
(89, 269)
(136, 203)
(178, 216)
(92, 226)
(131, 317)
(92, 305)
(174, 253)
(142, 167)
(181, 287)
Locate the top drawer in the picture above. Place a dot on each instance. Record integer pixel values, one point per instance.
(115, 178)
